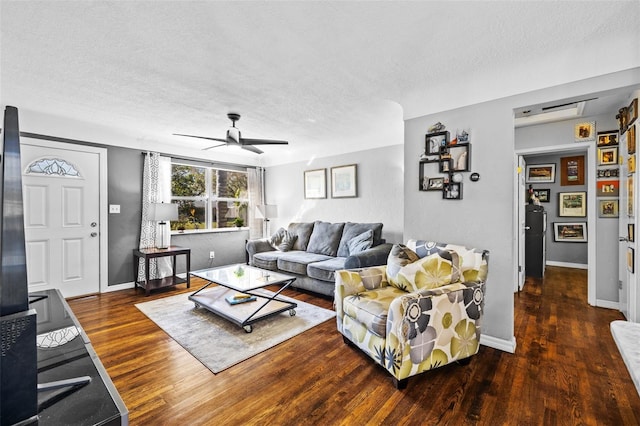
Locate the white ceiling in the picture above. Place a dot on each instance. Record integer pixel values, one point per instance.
(330, 77)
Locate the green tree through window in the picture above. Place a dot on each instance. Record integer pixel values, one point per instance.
(209, 198)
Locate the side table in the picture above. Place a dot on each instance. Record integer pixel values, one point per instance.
(151, 253)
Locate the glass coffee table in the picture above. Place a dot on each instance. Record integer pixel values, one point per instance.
(235, 285)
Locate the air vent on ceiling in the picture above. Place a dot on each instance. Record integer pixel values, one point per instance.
(551, 113)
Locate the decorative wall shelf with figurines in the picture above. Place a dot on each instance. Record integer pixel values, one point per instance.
(445, 156)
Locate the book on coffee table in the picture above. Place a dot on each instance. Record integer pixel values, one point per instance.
(239, 298)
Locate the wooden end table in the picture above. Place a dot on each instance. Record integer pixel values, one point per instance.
(152, 253)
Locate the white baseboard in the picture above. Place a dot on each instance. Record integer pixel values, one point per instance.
(567, 264)
(500, 344)
(607, 304)
(117, 287)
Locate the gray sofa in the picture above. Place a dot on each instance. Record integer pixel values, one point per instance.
(313, 251)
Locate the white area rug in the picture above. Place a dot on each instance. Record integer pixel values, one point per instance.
(220, 344)
(627, 337)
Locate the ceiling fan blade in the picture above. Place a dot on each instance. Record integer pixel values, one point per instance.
(213, 146)
(201, 137)
(246, 141)
(251, 148)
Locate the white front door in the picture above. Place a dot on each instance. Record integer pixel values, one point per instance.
(61, 199)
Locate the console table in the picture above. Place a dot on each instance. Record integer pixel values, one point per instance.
(153, 253)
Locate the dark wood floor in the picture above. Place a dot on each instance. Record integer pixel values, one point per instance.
(566, 370)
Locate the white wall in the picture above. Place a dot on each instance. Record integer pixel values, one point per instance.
(380, 191)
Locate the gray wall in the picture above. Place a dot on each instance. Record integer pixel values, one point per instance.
(560, 133)
(125, 188)
(484, 218)
(380, 196)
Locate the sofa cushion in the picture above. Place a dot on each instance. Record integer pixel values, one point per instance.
(370, 308)
(433, 271)
(296, 261)
(399, 256)
(302, 231)
(360, 242)
(325, 270)
(353, 229)
(269, 259)
(325, 238)
(282, 240)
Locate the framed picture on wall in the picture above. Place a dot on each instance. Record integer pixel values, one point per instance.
(585, 132)
(608, 188)
(630, 196)
(631, 139)
(608, 208)
(570, 232)
(632, 111)
(572, 170)
(607, 156)
(543, 195)
(572, 204)
(344, 181)
(608, 138)
(631, 256)
(631, 232)
(541, 173)
(315, 183)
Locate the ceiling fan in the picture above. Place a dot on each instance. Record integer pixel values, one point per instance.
(234, 138)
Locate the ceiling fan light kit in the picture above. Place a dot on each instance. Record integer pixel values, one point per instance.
(235, 139)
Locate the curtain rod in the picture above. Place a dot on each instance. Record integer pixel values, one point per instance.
(199, 160)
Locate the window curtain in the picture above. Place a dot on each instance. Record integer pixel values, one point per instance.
(255, 181)
(154, 190)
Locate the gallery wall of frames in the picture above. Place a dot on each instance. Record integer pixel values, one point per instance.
(445, 161)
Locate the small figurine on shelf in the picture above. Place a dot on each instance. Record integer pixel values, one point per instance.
(438, 127)
(533, 199)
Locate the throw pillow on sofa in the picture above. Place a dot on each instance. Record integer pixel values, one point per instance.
(282, 240)
(360, 242)
(325, 238)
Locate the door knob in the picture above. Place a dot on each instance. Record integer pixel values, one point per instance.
(94, 234)
(93, 224)
(527, 227)
(621, 239)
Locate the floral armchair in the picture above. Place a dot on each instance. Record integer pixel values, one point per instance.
(420, 311)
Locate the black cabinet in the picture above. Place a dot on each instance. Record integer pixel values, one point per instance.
(535, 241)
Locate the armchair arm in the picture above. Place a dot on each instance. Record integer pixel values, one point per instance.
(430, 328)
(257, 246)
(355, 281)
(371, 257)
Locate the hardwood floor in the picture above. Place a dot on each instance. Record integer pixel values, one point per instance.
(566, 370)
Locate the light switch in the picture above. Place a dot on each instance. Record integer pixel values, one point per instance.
(114, 208)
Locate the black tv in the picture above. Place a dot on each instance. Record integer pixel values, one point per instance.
(18, 363)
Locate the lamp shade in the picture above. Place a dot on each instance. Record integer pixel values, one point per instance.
(266, 211)
(163, 211)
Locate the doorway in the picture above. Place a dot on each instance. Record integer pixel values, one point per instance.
(571, 149)
(64, 187)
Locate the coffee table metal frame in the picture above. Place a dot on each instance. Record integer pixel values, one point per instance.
(249, 280)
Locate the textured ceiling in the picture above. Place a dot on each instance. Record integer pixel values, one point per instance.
(330, 77)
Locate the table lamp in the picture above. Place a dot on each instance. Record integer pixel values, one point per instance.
(161, 213)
